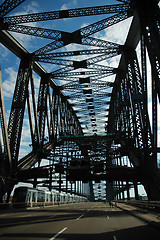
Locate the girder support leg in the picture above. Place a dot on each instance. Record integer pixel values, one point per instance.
(151, 182)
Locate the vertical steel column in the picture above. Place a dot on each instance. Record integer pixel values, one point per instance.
(128, 192)
(42, 106)
(67, 119)
(34, 132)
(55, 111)
(136, 190)
(66, 173)
(7, 154)
(135, 90)
(50, 178)
(150, 25)
(51, 124)
(60, 177)
(18, 108)
(144, 86)
(36, 140)
(154, 117)
(123, 191)
(62, 116)
(152, 38)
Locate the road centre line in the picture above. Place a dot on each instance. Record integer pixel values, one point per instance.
(21, 216)
(58, 233)
(28, 215)
(80, 217)
(52, 216)
(4, 215)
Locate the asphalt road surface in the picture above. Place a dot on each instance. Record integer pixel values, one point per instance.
(81, 221)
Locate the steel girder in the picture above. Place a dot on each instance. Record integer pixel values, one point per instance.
(54, 116)
(75, 64)
(129, 108)
(55, 111)
(97, 85)
(83, 33)
(42, 107)
(143, 136)
(65, 74)
(58, 118)
(8, 5)
(13, 135)
(5, 155)
(124, 1)
(93, 80)
(18, 108)
(151, 40)
(79, 12)
(49, 58)
(106, 50)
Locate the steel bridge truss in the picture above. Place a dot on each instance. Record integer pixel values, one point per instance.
(81, 96)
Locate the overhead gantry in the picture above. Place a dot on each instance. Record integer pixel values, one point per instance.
(81, 98)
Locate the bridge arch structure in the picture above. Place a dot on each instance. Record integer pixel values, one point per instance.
(89, 121)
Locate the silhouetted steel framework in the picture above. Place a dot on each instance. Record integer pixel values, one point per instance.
(84, 97)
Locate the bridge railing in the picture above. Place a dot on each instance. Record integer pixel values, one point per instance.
(145, 205)
(7, 206)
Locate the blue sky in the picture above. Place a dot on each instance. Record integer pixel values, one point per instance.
(10, 63)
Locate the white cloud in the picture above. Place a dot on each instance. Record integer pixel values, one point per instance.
(4, 53)
(25, 40)
(26, 134)
(25, 144)
(116, 33)
(23, 152)
(9, 84)
(32, 7)
(150, 112)
(69, 5)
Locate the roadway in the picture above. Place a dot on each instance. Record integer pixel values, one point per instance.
(81, 221)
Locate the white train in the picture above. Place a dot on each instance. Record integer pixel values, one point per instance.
(32, 197)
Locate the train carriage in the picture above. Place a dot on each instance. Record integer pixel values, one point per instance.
(24, 196)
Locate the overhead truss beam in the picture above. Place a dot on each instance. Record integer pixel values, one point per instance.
(8, 5)
(83, 33)
(79, 12)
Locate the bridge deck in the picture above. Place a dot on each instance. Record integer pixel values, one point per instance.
(76, 221)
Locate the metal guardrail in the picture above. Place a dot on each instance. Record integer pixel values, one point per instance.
(148, 205)
(8, 206)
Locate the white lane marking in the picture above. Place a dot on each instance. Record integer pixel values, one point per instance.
(3, 215)
(89, 210)
(107, 217)
(21, 216)
(58, 234)
(29, 215)
(80, 217)
(52, 216)
(114, 237)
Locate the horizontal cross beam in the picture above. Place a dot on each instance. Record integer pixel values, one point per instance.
(78, 12)
(8, 5)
